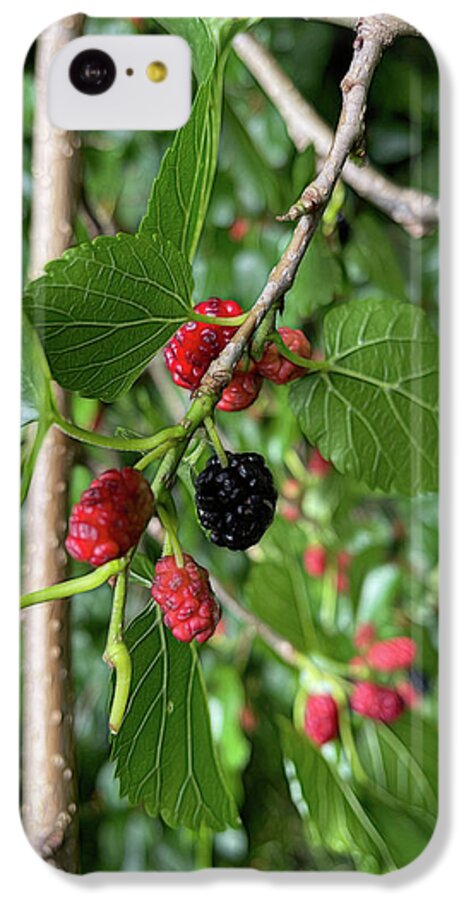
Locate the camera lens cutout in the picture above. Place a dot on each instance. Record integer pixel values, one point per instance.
(92, 72)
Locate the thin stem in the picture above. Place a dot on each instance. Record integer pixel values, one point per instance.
(169, 524)
(150, 457)
(75, 585)
(114, 442)
(315, 365)
(232, 321)
(216, 441)
(117, 655)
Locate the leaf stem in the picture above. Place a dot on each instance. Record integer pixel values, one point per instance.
(117, 656)
(232, 321)
(75, 585)
(216, 441)
(112, 442)
(169, 523)
(315, 365)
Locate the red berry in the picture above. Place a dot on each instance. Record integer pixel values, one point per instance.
(191, 350)
(185, 596)
(291, 489)
(318, 465)
(238, 230)
(321, 722)
(315, 560)
(376, 702)
(356, 661)
(241, 392)
(395, 653)
(110, 516)
(408, 693)
(289, 511)
(364, 635)
(276, 367)
(344, 559)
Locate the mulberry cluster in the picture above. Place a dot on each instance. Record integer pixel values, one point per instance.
(195, 345)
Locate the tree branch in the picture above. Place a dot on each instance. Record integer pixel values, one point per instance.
(374, 35)
(49, 780)
(416, 212)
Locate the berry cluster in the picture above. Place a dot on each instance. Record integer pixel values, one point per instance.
(110, 516)
(195, 345)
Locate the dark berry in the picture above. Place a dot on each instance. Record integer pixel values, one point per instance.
(185, 596)
(191, 350)
(236, 503)
(321, 722)
(110, 516)
(241, 391)
(276, 367)
(376, 702)
(395, 653)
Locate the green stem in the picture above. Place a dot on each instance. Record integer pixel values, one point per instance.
(75, 585)
(117, 655)
(150, 457)
(216, 441)
(233, 321)
(169, 524)
(315, 365)
(118, 443)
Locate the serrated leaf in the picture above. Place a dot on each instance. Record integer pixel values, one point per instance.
(104, 309)
(201, 40)
(180, 194)
(164, 753)
(401, 760)
(277, 593)
(374, 411)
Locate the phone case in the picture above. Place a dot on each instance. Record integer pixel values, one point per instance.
(230, 459)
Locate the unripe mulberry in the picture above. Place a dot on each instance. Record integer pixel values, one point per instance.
(376, 702)
(110, 516)
(187, 601)
(394, 653)
(191, 350)
(241, 391)
(276, 367)
(321, 718)
(315, 560)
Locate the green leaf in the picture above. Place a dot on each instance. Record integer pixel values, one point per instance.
(379, 592)
(35, 377)
(372, 258)
(180, 194)
(401, 760)
(104, 309)
(201, 40)
(164, 753)
(320, 278)
(277, 593)
(374, 410)
(334, 814)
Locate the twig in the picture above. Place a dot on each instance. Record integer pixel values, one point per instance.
(416, 212)
(374, 35)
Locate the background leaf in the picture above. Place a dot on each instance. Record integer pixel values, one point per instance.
(374, 414)
(35, 377)
(165, 758)
(401, 759)
(104, 309)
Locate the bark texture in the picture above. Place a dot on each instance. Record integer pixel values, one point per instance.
(49, 800)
